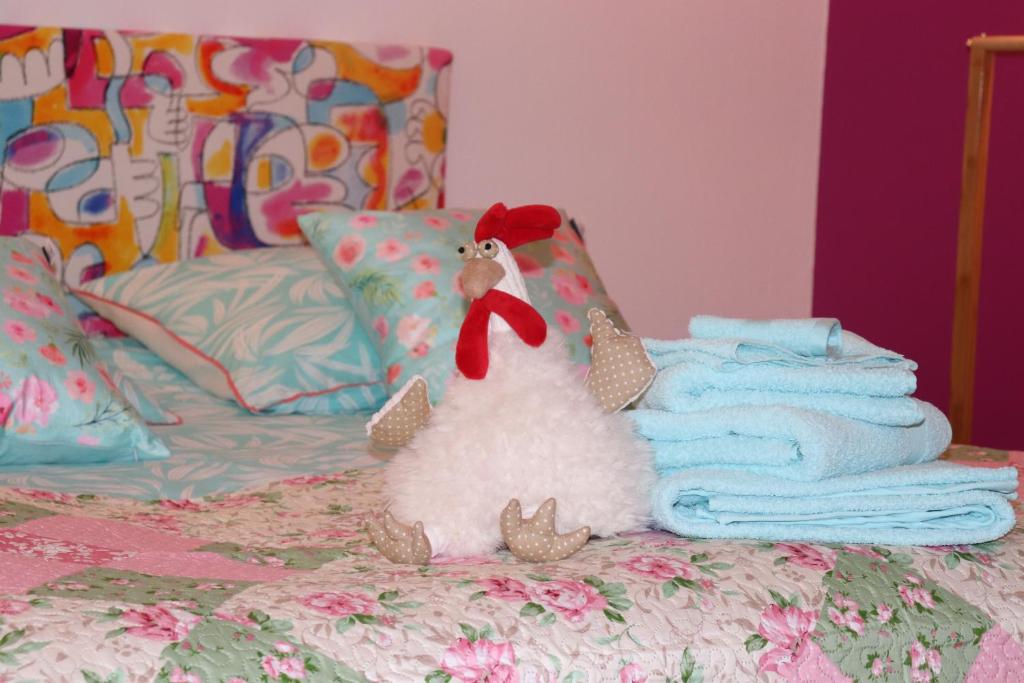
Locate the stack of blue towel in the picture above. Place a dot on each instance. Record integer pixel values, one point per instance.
(799, 430)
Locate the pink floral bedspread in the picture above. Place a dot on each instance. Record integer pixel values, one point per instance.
(279, 584)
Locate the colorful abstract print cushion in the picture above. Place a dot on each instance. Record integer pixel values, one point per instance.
(266, 327)
(129, 148)
(402, 272)
(57, 405)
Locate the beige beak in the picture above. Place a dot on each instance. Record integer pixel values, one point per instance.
(479, 275)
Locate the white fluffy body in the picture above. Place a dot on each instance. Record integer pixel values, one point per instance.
(528, 430)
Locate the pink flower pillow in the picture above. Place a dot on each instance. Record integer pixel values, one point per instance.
(400, 270)
(57, 403)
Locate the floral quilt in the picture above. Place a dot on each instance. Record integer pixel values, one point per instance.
(279, 583)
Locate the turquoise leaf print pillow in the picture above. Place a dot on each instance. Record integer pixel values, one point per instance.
(149, 408)
(267, 328)
(118, 355)
(58, 405)
(401, 272)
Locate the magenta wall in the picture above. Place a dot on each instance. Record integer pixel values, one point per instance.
(889, 192)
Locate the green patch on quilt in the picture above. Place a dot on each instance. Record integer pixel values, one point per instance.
(13, 513)
(200, 596)
(288, 558)
(217, 650)
(882, 620)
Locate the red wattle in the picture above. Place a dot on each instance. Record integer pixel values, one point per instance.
(520, 316)
(471, 349)
(471, 354)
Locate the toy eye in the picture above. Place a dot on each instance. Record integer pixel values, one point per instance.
(467, 251)
(487, 249)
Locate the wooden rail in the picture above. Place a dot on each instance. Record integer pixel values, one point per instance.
(977, 125)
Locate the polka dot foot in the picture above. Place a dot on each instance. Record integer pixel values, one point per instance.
(535, 539)
(400, 543)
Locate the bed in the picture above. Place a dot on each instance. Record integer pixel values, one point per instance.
(242, 556)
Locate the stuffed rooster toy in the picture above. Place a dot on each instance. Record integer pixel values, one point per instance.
(517, 431)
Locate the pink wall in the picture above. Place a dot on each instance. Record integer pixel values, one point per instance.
(889, 194)
(685, 134)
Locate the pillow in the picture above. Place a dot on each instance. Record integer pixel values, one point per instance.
(125, 373)
(148, 408)
(266, 327)
(57, 405)
(401, 271)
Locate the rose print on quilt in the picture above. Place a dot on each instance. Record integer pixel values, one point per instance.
(785, 634)
(807, 556)
(550, 599)
(280, 583)
(676, 568)
(476, 657)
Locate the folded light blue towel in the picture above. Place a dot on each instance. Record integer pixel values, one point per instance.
(736, 352)
(685, 371)
(803, 336)
(888, 411)
(936, 503)
(785, 442)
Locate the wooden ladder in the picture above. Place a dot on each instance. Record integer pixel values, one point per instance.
(983, 51)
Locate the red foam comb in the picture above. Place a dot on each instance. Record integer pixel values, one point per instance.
(519, 225)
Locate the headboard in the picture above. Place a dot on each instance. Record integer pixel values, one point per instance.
(128, 148)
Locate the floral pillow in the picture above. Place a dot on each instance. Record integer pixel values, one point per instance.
(401, 271)
(268, 328)
(57, 403)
